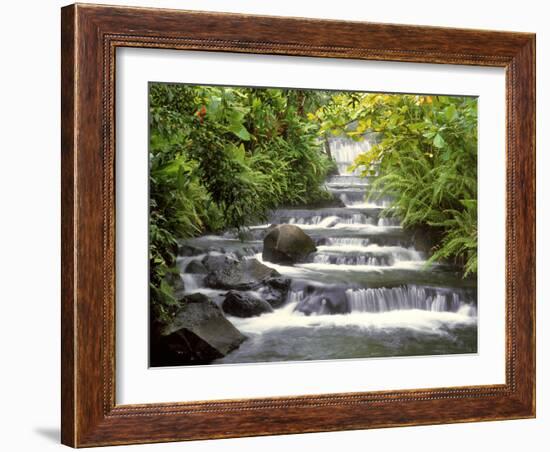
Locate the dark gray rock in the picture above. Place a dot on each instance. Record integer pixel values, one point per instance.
(214, 262)
(196, 266)
(323, 300)
(426, 239)
(244, 235)
(188, 250)
(327, 201)
(287, 244)
(237, 274)
(281, 284)
(198, 334)
(245, 304)
(275, 291)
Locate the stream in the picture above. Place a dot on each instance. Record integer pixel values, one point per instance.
(366, 291)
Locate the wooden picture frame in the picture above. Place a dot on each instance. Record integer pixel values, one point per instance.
(90, 36)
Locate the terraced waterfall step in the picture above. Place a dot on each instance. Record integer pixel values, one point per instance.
(367, 281)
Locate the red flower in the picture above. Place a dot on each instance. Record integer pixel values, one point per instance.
(201, 113)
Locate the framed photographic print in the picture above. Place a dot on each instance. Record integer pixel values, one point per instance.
(280, 225)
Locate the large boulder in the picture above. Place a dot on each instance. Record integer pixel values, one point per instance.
(198, 334)
(245, 304)
(287, 244)
(230, 273)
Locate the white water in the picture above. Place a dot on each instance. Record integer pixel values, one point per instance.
(345, 151)
(364, 204)
(300, 270)
(295, 271)
(403, 298)
(331, 220)
(348, 242)
(190, 282)
(365, 268)
(397, 252)
(334, 222)
(354, 260)
(420, 320)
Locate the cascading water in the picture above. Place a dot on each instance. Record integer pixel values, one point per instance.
(409, 297)
(190, 282)
(365, 292)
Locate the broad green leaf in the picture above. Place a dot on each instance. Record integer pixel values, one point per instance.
(439, 142)
(239, 130)
(451, 113)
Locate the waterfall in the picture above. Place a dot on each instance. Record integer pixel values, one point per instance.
(191, 282)
(316, 219)
(295, 296)
(335, 299)
(388, 221)
(364, 254)
(324, 216)
(344, 151)
(351, 242)
(406, 297)
(351, 260)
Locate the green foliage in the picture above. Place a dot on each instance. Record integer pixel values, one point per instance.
(222, 158)
(461, 237)
(425, 158)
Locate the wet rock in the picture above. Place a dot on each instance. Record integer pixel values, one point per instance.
(237, 274)
(287, 244)
(251, 250)
(323, 300)
(199, 334)
(188, 250)
(196, 266)
(245, 235)
(245, 304)
(329, 201)
(425, 239)
(282, 284)
(275, 291)
(213, 262)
